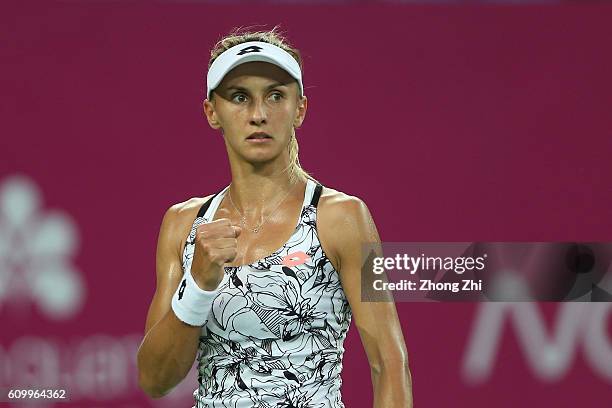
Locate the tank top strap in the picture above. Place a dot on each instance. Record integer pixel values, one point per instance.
(312, 193)
(316, 195)
(207, 211)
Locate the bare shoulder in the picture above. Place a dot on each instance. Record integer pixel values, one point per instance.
(179, 218)
(189, 207)
(343, 221)
(186, 210)
(335, 205)
(337, 208)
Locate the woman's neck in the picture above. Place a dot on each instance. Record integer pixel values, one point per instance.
(253, 193)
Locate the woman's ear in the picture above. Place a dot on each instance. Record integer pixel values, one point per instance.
(211, 115)
(302, 106)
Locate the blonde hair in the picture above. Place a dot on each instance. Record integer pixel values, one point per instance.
(241, 35)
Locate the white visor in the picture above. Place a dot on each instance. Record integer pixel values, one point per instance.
(250, 52)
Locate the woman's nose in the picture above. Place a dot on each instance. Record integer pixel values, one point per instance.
(258, 112)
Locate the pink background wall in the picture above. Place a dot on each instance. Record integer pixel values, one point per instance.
(453, 123)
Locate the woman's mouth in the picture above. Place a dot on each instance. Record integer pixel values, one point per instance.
(258, 137)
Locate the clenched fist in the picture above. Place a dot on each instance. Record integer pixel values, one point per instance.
(215, 244)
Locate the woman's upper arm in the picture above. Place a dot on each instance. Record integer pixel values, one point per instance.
(346, 225)
(168, 268)
(174, 229)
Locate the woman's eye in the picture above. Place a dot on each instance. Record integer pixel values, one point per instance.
(276, 96)
(239, 98)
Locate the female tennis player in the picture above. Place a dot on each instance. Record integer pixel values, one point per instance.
(260, 281)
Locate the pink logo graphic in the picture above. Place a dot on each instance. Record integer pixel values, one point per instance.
(295, 259)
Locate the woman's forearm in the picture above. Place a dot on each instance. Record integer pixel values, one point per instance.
(392, 386)
(166, 355)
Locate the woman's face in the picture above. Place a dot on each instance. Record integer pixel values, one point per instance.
(256, 97)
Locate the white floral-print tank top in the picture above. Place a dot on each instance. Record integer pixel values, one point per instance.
(274, 336)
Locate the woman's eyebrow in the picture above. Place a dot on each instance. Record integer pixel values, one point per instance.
(236, 87)
(276, 84)
(241, 88)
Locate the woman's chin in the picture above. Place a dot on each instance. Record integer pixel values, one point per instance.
(261, 158)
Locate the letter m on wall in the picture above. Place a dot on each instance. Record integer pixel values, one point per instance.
(549, 353)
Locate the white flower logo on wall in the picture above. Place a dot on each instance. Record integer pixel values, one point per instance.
(36, 248)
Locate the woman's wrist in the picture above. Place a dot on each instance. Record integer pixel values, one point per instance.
(191, 303)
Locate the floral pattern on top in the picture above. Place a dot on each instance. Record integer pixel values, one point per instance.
(275, 333)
